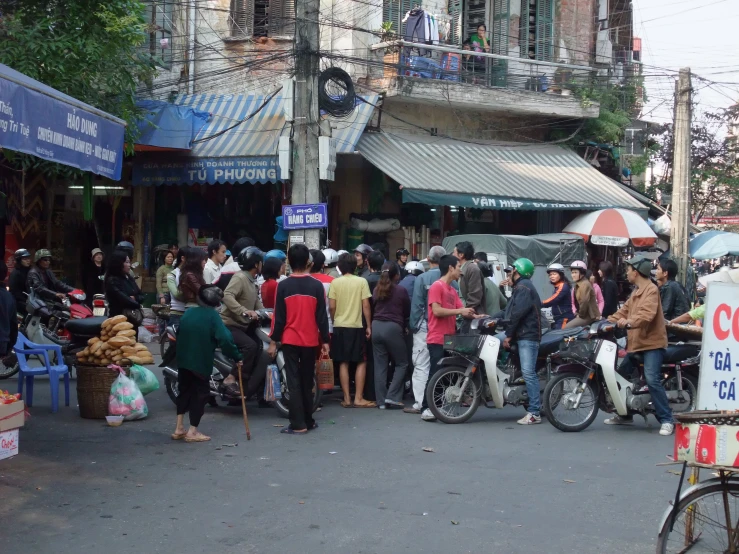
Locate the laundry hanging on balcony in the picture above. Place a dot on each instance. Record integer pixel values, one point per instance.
(421, 27)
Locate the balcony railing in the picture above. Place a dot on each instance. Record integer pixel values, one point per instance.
(451, 63)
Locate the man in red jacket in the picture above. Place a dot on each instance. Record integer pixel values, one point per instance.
(299, 323)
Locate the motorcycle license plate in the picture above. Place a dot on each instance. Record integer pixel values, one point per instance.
(98, 312)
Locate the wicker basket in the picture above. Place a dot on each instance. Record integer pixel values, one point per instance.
(93, 389)
(709, 417)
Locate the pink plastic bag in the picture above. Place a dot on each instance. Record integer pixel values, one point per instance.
(126, 399)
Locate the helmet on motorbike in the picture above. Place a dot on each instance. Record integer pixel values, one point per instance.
(332, 257)
(41, 254)
(20, 254)
(363, 249)
(401, 252)
(556, 268)
(210, 295)
(279, 254)
(580, 266)
(414, 267)
(340, 252)
(641, 264)
(126, 246)
(249, 257)
(524, 266)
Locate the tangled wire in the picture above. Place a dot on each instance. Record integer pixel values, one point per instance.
(336, 95)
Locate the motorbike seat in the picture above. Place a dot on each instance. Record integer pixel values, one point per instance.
(87, 327)
(551, 341)
(674, 353)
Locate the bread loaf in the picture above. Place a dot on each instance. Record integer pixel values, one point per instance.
(110, 322)
(92, 341)
(123, 326)
(126, 333)
(119, 342)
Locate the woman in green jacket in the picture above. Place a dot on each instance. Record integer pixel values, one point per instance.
(161, 278)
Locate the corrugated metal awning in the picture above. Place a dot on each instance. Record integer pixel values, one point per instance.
(510, 176)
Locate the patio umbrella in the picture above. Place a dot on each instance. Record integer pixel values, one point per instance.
(714, 244)
(612, 227)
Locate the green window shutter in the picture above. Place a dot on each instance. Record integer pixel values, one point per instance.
(501, 40)
(455, 25)
(544, 30)
(527, 34)
(281, 18)
(394, 11)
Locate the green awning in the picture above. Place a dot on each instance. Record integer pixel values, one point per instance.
(497, 176)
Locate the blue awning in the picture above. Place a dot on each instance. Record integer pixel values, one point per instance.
(166, 125)
(39, 120)
(247, 153)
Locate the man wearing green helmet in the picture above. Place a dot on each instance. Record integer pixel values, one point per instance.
(524, 315)
(42, 281)
(642, 316)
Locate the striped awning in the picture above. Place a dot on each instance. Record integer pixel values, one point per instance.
(259, 135)
(499, 176)
(227, 151)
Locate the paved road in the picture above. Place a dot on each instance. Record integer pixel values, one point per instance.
(361, 483)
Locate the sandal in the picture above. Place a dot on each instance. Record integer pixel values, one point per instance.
(232, 391)
(367, 405)
(197, 438)
(291, 431)
(178, 436)
(346, 404)
(314, 426)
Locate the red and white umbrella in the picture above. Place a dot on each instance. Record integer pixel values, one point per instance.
(613, 227)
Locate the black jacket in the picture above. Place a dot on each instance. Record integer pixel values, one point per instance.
(93, 282)
(610, 297)
(118, 291)
(18, 285)
(523, 312)
(45, 284)
(674, 300)
(8, 322)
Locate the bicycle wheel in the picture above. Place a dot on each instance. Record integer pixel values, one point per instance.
(700, 522)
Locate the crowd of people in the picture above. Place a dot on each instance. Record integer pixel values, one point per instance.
(370, 315)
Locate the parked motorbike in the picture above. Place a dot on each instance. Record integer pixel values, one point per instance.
(222, 368)
(584, 380)
(471, 374)
(99, 306)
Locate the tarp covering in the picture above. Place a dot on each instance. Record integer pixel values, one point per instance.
(39, 120)
(542, 250)
(166, 125)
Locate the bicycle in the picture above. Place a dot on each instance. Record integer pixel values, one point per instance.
(705, 517)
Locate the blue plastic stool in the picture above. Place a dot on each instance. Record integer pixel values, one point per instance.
(25, 348)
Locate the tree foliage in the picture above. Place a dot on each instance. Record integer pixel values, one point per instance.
(88, 49)
(617, 104)
(714, 184)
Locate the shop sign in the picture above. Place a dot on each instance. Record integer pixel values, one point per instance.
(601, 240)
(304, 216)
(205, 171)
(717, 383)
(489, 202)
(8, 444)
(58, 131)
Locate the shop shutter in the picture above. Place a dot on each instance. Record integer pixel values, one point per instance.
(455, 25)
(544, 26)
(281, 18)
(501, 40)
(241, 18)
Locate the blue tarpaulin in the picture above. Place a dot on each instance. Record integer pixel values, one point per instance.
(39, 120)
(166, 125)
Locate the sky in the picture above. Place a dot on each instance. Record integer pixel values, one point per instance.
(700, 34)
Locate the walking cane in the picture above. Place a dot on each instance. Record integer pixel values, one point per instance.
(243, 405)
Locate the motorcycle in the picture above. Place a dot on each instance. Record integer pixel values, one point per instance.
(54, 323)
(472, 373)
(585, 380)
(99, 306)
(222, 366)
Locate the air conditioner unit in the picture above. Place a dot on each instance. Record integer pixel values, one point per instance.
(326, 158)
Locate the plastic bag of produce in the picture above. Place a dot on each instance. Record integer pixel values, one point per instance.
(145, 335)
(126, 399)
(145, 379)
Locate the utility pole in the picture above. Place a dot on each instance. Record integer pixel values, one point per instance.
(681, 174)
(305, 183)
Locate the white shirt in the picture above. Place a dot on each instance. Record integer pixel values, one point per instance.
(211, 272)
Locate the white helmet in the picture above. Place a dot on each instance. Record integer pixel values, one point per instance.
(340, 252)
(332, 256)
(579, 265)
(559, 268)
(410, 267)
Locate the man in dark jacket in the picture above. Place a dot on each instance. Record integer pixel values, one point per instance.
(673, 296)
(524, 315)
(42, 280)
(471, 283)
(8, 318)
(18, 282)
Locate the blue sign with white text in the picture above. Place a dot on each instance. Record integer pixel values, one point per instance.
(304, 216)
(185, 170)
(38, 120)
